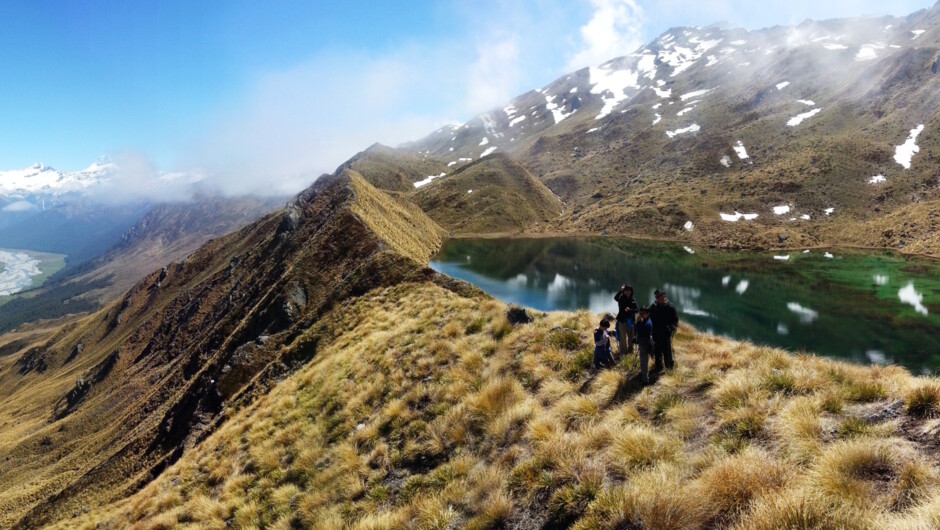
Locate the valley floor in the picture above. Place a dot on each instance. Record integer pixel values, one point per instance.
(426, 409)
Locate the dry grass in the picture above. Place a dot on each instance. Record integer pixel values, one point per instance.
(436, 415)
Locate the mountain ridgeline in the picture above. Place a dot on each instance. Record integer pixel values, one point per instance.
(309, 369)
(112, 398)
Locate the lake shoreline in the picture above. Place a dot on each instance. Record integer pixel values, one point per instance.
(676, 240)
(866, 305)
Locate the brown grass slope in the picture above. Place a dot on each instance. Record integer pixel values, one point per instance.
(492, 195)
(110, 400)
(429, 410)
(391, 169)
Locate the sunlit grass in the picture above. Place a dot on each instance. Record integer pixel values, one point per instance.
(449, 417)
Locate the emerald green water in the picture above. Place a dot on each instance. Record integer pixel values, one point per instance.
(868, 307)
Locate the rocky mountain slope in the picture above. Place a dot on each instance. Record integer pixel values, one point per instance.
(160, 234)
(827, 131)
(97, 407)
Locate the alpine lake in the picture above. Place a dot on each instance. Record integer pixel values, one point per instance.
(863, 306)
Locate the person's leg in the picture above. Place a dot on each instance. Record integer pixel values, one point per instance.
(597, 357)
(658, 343)
(667, 353)
(631, 337)
(644, 362)
(621, 337)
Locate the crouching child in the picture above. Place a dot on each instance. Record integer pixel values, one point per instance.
(602, 356)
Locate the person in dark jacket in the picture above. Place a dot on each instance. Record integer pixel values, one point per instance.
(665, 321)
(602, 357)
(644, 341)
(626, 318)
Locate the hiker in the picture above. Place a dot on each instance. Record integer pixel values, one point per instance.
(602, 357)
(665, 321)
(626, 318)
(644, 341)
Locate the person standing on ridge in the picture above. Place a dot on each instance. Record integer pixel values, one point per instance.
(626, 318)
(665, 321)
(644, 341)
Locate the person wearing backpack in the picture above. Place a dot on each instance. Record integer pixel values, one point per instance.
(665, 321)
(644, 341)
(602, 357)
(626, 318)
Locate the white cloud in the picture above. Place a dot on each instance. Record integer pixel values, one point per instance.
(614, 30)
(494, 76)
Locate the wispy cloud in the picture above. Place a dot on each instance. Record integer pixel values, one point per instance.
(296, 123)
(615, 29)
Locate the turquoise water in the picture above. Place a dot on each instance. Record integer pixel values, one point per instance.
(868, 307)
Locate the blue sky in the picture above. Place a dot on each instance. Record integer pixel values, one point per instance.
(284, 90)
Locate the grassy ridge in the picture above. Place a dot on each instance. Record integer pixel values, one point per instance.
(491, 195)
(428, 410)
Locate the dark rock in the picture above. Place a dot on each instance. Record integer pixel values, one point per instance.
(597, 195)
(76, 351)
(782, 237)
(518, 315)
(290, 221)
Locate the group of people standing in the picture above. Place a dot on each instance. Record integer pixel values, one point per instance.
(649, 328)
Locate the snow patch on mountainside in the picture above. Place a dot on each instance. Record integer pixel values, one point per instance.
(798, 119)
(425, 182)
(906, 151)
(614, 82)
(736, 216)
(557, 113)
(691, 128)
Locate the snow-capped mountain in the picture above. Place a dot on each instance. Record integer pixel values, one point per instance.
(824, 132)
(42, 179)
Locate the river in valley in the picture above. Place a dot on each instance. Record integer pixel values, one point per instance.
(867, 307)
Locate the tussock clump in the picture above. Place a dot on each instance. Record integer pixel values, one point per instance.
(640, 446)
(736, 390)
(923, 401)
(873, 473)
(799, 511)
(731, 483)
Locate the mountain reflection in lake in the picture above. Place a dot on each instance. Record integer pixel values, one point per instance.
(866, 307)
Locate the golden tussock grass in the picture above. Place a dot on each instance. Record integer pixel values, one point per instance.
(453, 418)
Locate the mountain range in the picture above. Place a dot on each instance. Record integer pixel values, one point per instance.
(822, 134)
(310, 370)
